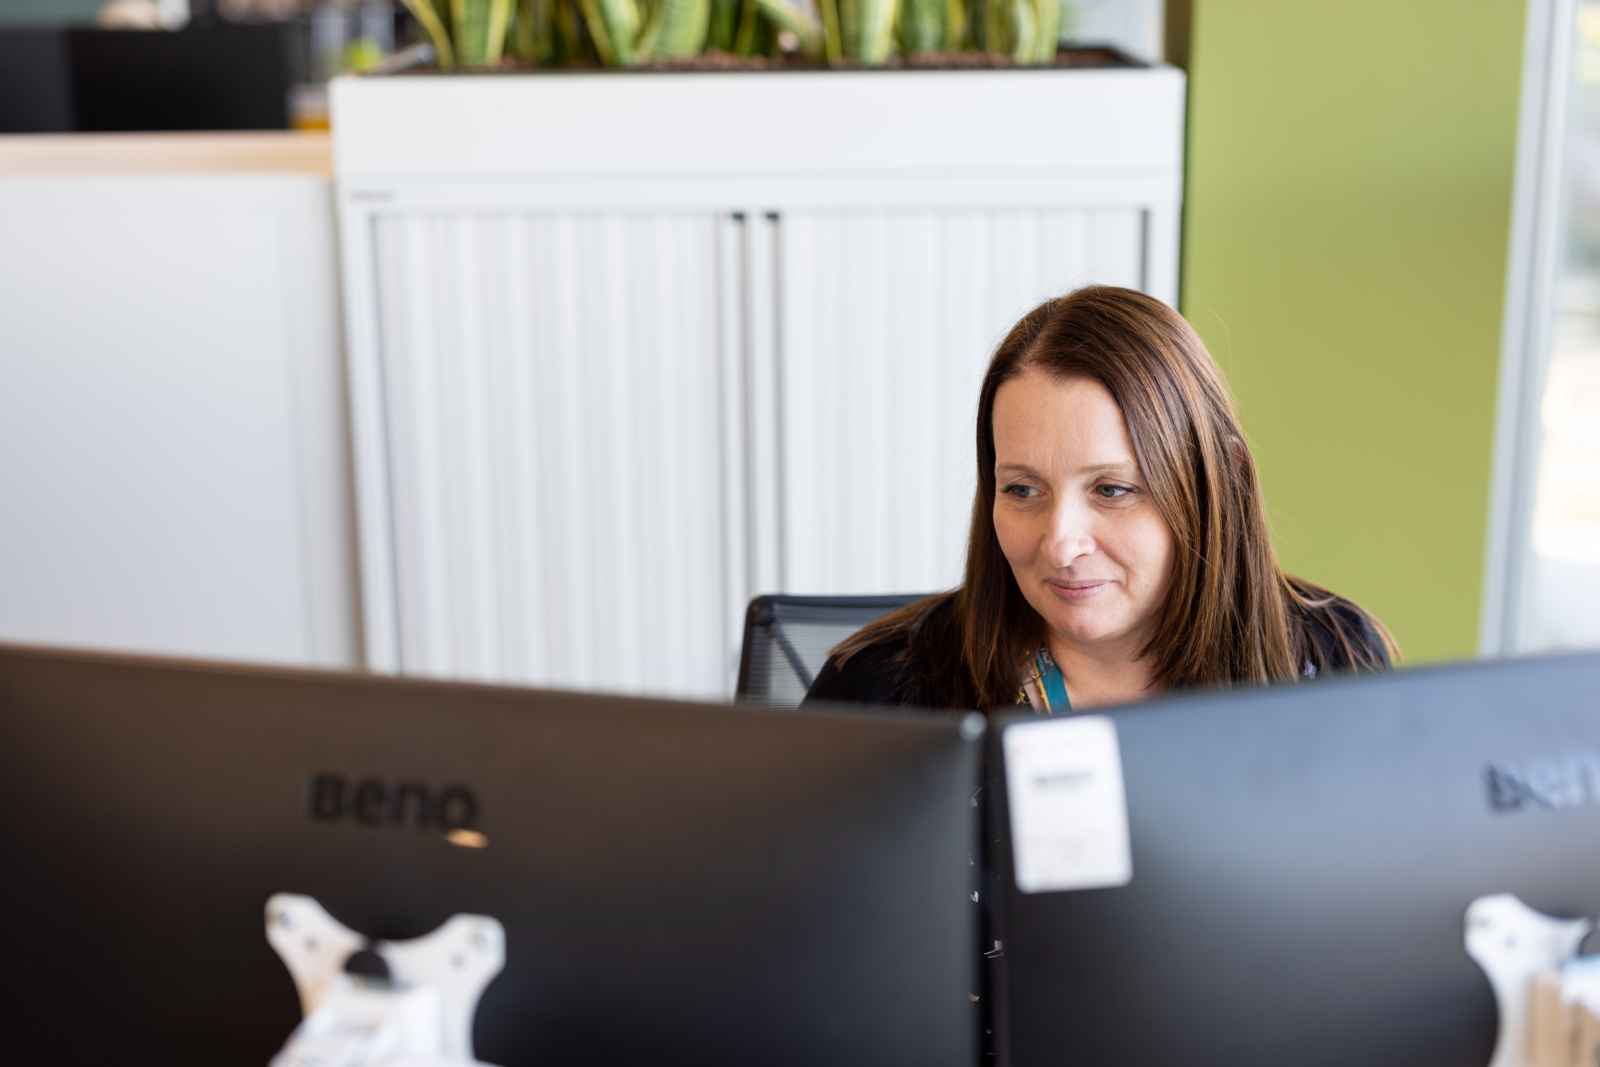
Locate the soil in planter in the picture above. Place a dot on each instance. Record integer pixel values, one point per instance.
(968, 60)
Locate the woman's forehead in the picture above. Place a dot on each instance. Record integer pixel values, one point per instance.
(1044, 420)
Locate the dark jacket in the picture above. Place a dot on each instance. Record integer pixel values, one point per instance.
(875, 674)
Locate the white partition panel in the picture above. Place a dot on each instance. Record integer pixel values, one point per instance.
(174, 473)
(889, 319)
(553, 404)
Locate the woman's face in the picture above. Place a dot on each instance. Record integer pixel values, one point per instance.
(1088, 546)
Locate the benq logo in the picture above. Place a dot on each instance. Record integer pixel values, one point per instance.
(374, 802)
(1551, 782)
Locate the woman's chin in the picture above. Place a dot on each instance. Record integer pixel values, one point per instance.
(1084, 627)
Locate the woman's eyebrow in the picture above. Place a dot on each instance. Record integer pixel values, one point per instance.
(1110, 468)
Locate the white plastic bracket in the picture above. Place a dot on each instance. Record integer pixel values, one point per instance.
(424, 1019)
(311, 943)
(1512, 943)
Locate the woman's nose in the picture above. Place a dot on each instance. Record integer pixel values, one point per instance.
(1069, 537)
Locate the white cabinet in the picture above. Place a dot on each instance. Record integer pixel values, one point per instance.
(627, 350)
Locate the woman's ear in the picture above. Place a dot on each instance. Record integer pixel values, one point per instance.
(1238, 451)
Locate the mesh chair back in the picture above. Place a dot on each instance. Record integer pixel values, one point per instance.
(787, 639)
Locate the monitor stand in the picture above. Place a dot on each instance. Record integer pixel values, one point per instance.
(371, 1003)
(1517, 947)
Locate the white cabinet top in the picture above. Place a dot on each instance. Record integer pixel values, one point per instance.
(52, 155)
(566, 125)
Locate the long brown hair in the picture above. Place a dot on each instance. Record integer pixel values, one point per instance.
(1231, 615)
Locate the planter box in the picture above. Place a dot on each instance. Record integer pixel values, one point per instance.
(627, 349)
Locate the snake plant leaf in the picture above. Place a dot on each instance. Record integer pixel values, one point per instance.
(744, 38)
(622, 20)
(1047, 16)
(765, 40)
(756, 35)
(1024, 29)
(646, 10)
(998, 33)
(572, 40)
(868, 29)
(469, 29)
(879, 24)
(806, 29)
(533, 32)
(955, 25)
(499, 21)
(676, 28)
(428, 17)
(724, 22)
(522, 41)
(832, 32)
(922, 24)
(614, 25)
(597, 32)
(479, 30)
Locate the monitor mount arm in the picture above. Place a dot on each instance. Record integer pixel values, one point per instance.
(1511, 943)
(419, 1015)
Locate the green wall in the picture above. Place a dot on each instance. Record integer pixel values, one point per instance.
(1348, 207)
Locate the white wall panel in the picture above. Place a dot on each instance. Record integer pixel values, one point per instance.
(555, 423)
(889, 319)
(174, 474)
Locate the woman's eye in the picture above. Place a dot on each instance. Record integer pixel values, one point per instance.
(1021, 492)
(1112, 492)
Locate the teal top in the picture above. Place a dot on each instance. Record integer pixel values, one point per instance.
(1050, 683)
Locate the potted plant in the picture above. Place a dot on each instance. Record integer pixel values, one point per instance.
(477, 34)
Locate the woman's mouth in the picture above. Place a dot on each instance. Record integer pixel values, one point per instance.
(1082, 589)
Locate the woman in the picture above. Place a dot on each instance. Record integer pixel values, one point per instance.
(1119, 544)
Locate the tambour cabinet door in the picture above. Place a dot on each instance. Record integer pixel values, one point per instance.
(887, 320)
(553, 412)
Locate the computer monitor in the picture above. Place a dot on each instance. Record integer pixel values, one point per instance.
(1303, 858)
(679, 883)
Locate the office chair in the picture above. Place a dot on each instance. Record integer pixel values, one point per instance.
(787, 639)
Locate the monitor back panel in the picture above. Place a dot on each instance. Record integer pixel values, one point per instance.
(1302, 861)
(679, 883)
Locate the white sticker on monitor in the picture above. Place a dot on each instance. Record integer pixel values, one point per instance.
(1069, 814)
